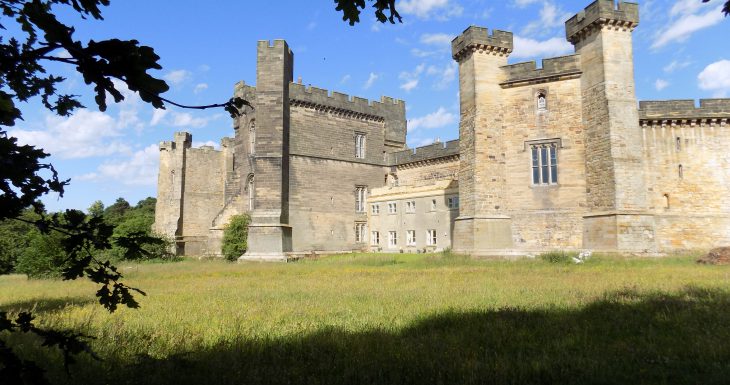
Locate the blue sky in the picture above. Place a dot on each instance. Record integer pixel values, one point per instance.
(206, 47)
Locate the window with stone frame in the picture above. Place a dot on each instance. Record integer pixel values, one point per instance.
(392, 239)
(392, 207)
(410, 207)
(359, 145)
(411, 237)
(375, 238)
(360, 232)
(544, 162)
(252, 137)
(542, 101)
(375, 209)
(433, 204)
(453, 203)
(360, 196)
(431, 237)
(251, 192)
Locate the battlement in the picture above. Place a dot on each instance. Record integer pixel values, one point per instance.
(431, 151)
(602, 12)
(387, 108)
(245, 91)
(276, 46)
(478, 38)
(684, 109)
(557, 68)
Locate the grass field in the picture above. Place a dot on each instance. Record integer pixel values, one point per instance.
(395, 319)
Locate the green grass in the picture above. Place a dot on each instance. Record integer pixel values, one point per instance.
(395, 319)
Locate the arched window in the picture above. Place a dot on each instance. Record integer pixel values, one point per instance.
(541, 101)
(252, 137)
(251, 191)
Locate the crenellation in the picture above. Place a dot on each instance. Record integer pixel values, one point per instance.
(386, 108)
(478, 38)
(557, 68)
(623, 15)
(657, 110)
(431, 151)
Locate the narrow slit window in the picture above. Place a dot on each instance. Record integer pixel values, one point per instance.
(681, 172)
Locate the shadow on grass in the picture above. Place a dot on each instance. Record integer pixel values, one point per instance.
(626, 338)
(45, 305)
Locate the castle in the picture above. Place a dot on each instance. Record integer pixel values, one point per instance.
(556, 157)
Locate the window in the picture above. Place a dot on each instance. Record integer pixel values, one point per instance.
(251, 191)
(431, 237)
(453, 203)
(359, 232)
(544, 163)
(541, 101)
(375, 238)
(252, 137)
(360, 193)
(433, 204)
(375, 209)
(411, 237)
(392, 239)
(392, 207)
(411, 206)
(359, 145)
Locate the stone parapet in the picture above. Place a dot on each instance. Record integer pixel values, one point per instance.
(599, 13)
(558, 68)
(684, 109)
(478, 39)
(418, 154)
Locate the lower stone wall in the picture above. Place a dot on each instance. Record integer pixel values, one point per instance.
(547, 230)
(322, 203)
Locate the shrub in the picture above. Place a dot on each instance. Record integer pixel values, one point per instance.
(235, 237)
(558, 257)
(44, 257)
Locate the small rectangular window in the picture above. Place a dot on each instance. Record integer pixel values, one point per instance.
(433, 204)
(360, 232)
(544, 163)
(431, 237)
(375, 238)
(375, 209)
(411, 237)
(392, 207)
(359, 145)
(392, 239)
(453, 203)
(411, 207)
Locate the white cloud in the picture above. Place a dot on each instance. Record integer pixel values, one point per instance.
(417, 52)
(661, 84)
(420, 142)
(676, 65)
(550, 17)
(82, 135)
(444, 76)
(177, 77)
(157, 116)
(140, 169)
(425, 9)
(524, 3)
(687, 17)
(345, 79)
(441, 39)
(437, 119)
(200, 87)
(185, 119)
(716, 77)
(206, 143)
(528, 48)
(411, 79)
(371, 80)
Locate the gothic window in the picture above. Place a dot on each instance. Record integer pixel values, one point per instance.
(360, 194)
(541, 101)
(359, 145)
(252, 137)
(250, 188)
(544, 163)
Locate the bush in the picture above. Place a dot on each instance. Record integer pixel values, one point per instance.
(44, 257)
(558, 257)
(235, 237)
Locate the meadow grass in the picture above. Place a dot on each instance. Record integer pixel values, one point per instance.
(392, 319)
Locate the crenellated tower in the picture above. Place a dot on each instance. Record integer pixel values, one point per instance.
(171, 188)
(270, 232)
(482, 227)
(618, 217)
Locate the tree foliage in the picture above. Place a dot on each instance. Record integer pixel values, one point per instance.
(235, 237)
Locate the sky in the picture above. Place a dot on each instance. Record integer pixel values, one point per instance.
(680, 52)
